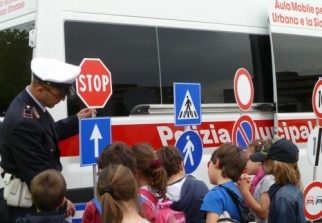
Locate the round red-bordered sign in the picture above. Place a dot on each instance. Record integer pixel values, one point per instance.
(317, 99)
(243, 132)
(243, 89)
(313, 200)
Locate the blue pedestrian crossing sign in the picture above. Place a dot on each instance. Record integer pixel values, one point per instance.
(95, 134)
(190, 145)
(187, 103)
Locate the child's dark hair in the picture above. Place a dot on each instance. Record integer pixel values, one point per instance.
(232, 160)
(116, 184)
(48, 190)
(149, 166)
(117, 153)
(171, 159)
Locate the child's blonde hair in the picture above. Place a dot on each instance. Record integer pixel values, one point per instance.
(116, 184)
(284, 173)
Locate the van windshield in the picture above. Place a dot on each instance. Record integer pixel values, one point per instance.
(298, 66)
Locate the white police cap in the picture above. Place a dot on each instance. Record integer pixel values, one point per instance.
(54, 71)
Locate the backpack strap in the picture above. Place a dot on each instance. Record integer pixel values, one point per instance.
(232, 194)
(236, 199)
(149, 206)
(273, 190)
(97, 204)
(149, 195)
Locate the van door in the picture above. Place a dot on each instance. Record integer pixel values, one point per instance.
(296, 40)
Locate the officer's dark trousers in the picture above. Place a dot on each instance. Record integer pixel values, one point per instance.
(10, 214)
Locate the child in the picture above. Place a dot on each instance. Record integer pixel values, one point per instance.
(255, 192)
(115, 153)
(117, 191)
(151, 178)
(186, 192)
(224, 169)
(48, 190)
(279, 158)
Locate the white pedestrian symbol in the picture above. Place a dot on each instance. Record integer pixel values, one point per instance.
(188, 110)
(187, 150)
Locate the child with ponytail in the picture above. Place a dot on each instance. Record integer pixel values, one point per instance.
(117, 191)
(151, 178)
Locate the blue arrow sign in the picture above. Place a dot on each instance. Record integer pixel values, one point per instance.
(95, 134)
(190, 145)
(187, 103)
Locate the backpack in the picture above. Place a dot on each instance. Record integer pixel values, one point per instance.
(225, 218)
(163, 211)
(97, 204)
(245, 213)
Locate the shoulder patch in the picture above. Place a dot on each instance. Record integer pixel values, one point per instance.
(27, 112)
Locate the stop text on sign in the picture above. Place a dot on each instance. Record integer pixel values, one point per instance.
(93, 83)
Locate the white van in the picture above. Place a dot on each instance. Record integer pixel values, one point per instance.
(147, 45)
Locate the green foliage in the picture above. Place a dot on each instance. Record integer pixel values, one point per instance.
(15, 57)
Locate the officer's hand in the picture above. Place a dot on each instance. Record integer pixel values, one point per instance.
(69, 208)
(86, 112)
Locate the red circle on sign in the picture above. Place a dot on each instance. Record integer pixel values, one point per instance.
(308, 215)
(243, 104)
(94, 84)
(316, 97)
(236, 127)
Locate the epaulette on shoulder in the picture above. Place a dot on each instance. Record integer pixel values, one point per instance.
(27, 112)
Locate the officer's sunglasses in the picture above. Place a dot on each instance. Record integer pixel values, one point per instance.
(59, 96)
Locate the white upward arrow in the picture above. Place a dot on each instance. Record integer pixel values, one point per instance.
(96, 135)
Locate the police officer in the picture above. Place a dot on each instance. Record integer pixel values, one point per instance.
(30, 135)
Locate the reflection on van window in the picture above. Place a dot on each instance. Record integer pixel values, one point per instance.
(15, 57)
(298, 67)
(210, 58)
(145, 61)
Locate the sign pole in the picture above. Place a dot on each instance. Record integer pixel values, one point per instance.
(317, 157)
(187, 113)
(94, 87)
(317, 108)
(94, 166)
(244, 96)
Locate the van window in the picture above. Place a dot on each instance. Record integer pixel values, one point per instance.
(298, 67)
(15, 58)
(145, 61)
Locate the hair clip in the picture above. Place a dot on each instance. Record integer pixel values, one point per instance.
(155, 164)
(258, 147)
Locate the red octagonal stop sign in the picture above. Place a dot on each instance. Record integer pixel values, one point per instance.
(94, 84)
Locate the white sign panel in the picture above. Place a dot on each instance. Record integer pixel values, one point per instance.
(243, 89)
(299, 15)
(10, 9)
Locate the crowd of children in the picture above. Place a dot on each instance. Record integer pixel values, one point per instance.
(133, 181)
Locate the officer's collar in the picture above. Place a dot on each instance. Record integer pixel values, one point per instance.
(43, 108)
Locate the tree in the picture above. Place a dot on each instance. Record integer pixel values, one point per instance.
(15, 57)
